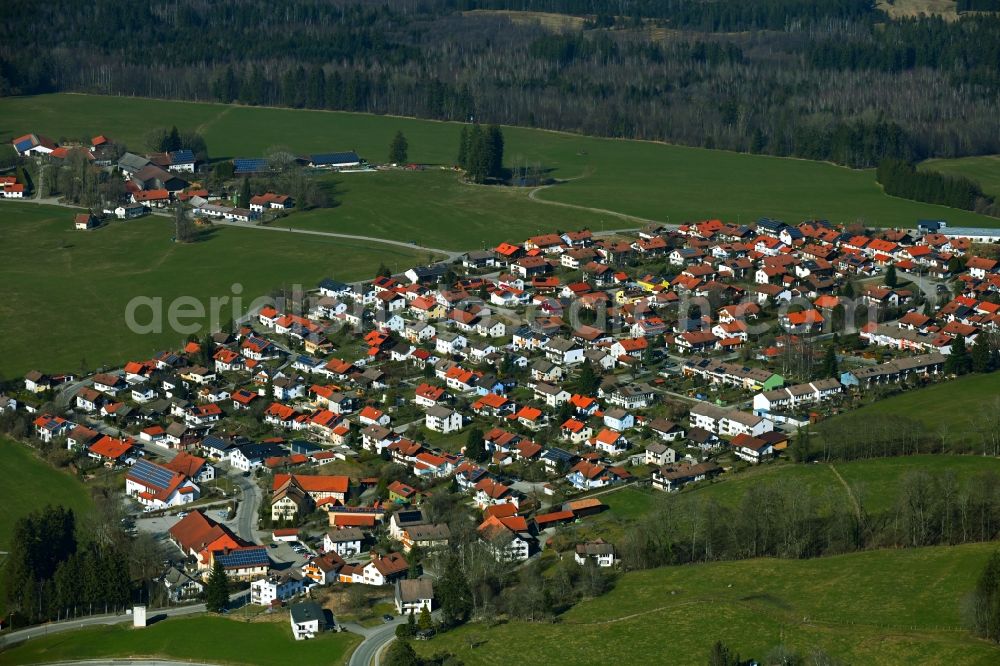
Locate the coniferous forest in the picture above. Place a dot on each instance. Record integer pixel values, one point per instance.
(834, 80)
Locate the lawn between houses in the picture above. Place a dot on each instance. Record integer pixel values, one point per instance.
(646, 179)
(206, 638)
(66, 291)
(857, 608)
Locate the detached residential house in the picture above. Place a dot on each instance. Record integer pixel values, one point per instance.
(413, 596)
(345, 542)
(308, 620)
(599, 552)
(442, 419)
(671, 477)
(659, 455)
(281, 587)
(157, 487)
(752, 449)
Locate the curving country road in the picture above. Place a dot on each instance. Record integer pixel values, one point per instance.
(450, 254)
(376, 639)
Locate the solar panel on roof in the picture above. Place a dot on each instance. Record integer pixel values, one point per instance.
(349, 157)
(250, 165)
(244, 557)
(179, 156)
(23, 145)
(151, 475)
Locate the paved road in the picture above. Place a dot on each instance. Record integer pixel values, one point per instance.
(236, 600)
(249, 506)
(376, 638)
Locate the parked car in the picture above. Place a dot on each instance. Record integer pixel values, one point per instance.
(387, 618)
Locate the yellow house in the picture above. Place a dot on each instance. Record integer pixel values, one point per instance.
(652, 282)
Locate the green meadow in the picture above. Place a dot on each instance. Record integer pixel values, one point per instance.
(645, 179)
(958, 409)
(878, 607)
(39, 484)
(875, 483)
(203, 639)
(984, 169)
(66, 291)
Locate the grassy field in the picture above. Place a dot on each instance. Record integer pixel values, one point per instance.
(874, 482)
(66, 291)
(985, 170)
(211, 639)
(435, 208)
(881, 607)
(955, 408)
(650, 180)
(39, 484)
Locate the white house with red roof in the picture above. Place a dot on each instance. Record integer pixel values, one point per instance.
(157, 487)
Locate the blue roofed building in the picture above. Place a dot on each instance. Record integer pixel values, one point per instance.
(182, 160)
(33, 144)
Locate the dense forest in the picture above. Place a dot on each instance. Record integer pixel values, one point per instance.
(834, 80)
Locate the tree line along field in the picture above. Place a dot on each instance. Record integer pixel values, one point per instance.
(67, 291)
(875, 607)
(205, 638)
(984, 169)
(644, 179)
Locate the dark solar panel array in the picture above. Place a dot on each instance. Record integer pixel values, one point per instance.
(151, 475)
(250, 165)
(179, 156)
(349, 157)
(244, 557)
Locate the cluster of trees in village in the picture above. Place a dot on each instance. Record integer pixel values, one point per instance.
(902, 179)
(832, 80)
(57, 568)
(780, 520)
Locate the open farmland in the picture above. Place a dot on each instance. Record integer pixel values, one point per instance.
(644, 179)
(856, 608)
(67, 291)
